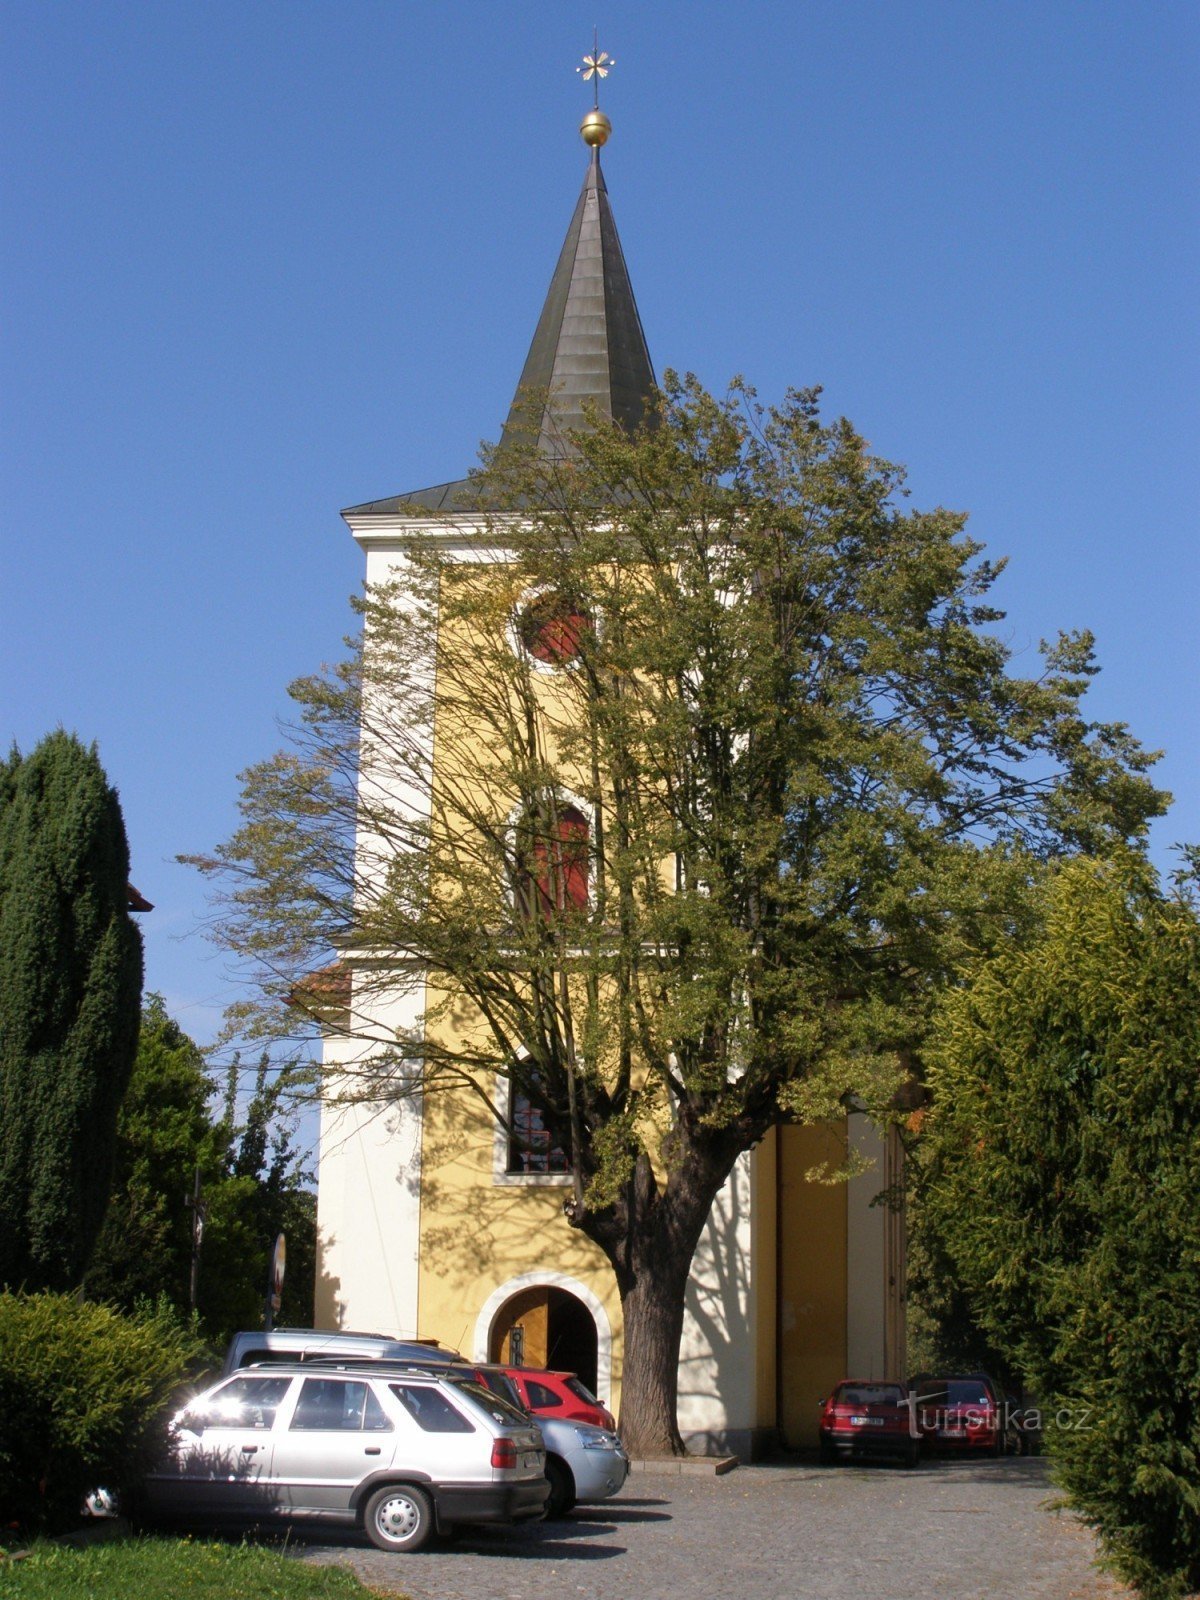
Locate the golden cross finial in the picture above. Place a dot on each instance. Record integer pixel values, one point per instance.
(595, 67)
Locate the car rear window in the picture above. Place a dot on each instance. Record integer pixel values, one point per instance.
(430, 1409)
(256, 1358)
(870, 1394)
(581, 1389)
(540, 1396)
(499, 1383)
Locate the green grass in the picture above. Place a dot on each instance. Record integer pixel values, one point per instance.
(172, 1569)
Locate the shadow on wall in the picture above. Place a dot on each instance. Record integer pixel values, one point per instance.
(327, 1300)
(718, 1354)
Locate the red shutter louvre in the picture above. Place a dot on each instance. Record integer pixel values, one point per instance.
(552, 629)
(561, 865)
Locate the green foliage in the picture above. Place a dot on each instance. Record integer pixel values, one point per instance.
(70, 982)
(253, 1186)
(85, 1393)
(815, 790)
(789, 694)
(164, 1132)
(168, 1569)
(1064, 1165)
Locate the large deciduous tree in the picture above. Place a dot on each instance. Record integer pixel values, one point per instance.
(728, 778)
(1062, 1165)
(70, 989)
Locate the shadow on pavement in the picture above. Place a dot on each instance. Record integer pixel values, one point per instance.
(530, 1541)
(543, 1541)
(617, 1514)
(960, 1469)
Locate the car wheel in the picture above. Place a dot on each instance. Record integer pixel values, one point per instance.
(912, 1456)
(827, 1455)
(562, 1487)
(399, 1517)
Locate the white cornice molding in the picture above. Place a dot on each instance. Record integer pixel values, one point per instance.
(465, 535)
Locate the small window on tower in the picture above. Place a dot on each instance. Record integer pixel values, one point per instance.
(552, 627)
(531, 1145)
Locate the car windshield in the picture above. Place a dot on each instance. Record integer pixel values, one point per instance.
(951, 1392)
(869, 1394)
(966, 1394)
(496, 1406)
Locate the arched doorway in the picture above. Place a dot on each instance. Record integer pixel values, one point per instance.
(545, 1326)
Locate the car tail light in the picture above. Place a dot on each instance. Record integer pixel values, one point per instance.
(504, 1453)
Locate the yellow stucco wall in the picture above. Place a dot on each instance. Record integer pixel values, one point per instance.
(765, 1277)
(477, 1235)
(812, 1284)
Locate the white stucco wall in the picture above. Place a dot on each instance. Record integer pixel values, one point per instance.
(369, 1156)
(719, 1350)
(369, 1197)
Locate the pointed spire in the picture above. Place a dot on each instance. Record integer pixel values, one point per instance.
(588, 345)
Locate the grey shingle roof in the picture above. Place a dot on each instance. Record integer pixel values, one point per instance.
(588, 346)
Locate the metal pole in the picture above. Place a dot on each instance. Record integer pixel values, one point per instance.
(199, 1211)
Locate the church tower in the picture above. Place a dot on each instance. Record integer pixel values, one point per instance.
(430, 1223)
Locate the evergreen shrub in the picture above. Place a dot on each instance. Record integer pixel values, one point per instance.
(1065, 1174)
(85, 1397)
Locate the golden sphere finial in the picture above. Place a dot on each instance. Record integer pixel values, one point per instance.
(595, 128)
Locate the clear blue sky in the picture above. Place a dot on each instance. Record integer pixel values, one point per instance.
(265, 260)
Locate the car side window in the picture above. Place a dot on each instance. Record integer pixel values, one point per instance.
(246, 1403)
(333, 1405)
(375, 1419)
(430, 1409)
(541, 1398)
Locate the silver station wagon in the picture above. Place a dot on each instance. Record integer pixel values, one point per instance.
(403, 1455)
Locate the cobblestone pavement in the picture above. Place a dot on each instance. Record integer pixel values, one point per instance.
(953, 1530)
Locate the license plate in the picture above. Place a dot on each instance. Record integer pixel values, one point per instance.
(954, 1433)
(531, 1459)
(866, 1422)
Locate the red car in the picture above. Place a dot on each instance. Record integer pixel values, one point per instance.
(962, 1413)
(869, 1419)
(559, 1394)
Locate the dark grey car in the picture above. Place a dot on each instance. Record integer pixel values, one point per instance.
(248, 1349)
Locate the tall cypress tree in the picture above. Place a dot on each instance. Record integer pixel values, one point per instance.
(70, 990)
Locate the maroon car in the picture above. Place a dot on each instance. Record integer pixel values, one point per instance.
(869, 1419)
(962, 1413)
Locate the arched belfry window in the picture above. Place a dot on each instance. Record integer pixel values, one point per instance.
(553, 872)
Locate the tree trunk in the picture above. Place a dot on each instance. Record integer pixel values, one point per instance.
(650, 1242)
(652, 1311)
